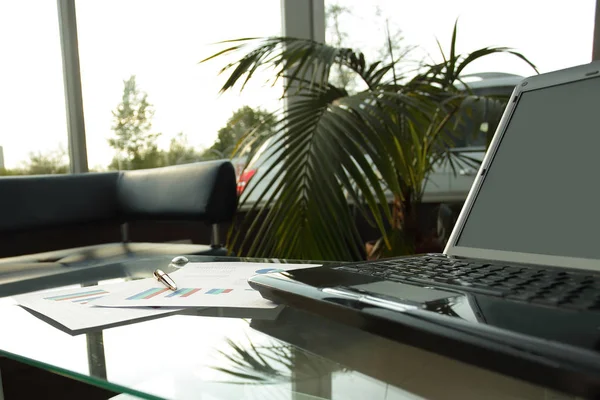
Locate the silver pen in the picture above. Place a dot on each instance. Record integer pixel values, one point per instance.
(165, 279)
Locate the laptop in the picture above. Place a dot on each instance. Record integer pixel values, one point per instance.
(517, 288)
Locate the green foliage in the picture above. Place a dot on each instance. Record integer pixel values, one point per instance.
(180, 151)
(51, 162)
(340, 75)
(243, 121)
(136, 146)
(11, 172)
(54, 162)
(332, 147)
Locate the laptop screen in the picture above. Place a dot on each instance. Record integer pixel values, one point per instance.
(541, 194)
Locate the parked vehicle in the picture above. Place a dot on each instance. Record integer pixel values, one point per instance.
(444, 185)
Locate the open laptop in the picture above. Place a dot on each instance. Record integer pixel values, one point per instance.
(520, 276)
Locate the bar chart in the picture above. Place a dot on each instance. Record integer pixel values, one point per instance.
(219, 291)
(268, 270)
(179, 293)
(79, 297)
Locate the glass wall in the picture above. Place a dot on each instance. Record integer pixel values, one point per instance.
(553, 35)
(159, 44)
(33, 128)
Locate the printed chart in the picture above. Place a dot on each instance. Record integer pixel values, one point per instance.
(179, 293)
(219, 284)
(79, 297)
(75, 307)
(268, 270)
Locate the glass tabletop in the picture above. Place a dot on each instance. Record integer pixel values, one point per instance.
(215, 354)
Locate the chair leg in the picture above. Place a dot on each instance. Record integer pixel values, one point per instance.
(215, 241)
(125, 232)
(1, 390)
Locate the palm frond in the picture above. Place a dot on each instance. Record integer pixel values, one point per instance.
(331, 147)
(270, 363)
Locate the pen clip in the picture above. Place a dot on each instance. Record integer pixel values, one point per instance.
(165, 279)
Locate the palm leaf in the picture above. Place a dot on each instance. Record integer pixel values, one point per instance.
(271, 363)
(331, 146)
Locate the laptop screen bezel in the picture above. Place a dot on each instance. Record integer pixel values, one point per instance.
(588, 71)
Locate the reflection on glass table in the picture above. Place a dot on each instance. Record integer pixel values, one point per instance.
(199, 353)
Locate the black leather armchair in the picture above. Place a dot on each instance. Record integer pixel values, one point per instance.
(204, 191)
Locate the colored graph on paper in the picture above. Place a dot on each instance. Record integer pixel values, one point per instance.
(268, 270)
(218, 291)
(79, 297)
(179, 293)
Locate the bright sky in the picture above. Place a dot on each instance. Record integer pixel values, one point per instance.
(162, 41)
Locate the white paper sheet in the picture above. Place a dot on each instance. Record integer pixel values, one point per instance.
(201, 285)
(73, 309)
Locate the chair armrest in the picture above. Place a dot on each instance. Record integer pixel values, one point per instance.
(203, 191)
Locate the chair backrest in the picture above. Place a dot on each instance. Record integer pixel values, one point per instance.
(203, 191)
(34, 202)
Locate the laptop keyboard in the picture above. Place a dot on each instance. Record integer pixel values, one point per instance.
(548, 287)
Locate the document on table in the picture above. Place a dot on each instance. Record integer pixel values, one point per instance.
(200, 285)
(220, 284)
(73, 309)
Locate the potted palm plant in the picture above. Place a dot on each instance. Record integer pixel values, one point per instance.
(334, 149)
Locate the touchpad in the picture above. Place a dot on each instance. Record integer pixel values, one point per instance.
(401, 291)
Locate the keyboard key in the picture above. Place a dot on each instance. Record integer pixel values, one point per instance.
(570, 285)
(491, 269)
(550, 287)
(529, 276)
(451, 275)
(388, 263)
(520, 282)
(539, 284)
(461, 264)
(503, 278)
(376, 264)
(474, 274)
(476, 265)
(487, 281)
(579, 280)
(512, 270)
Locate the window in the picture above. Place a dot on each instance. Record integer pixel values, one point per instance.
(552, 35)
(161, 43)
(33, 128)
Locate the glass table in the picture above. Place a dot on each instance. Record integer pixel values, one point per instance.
(213, 354)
